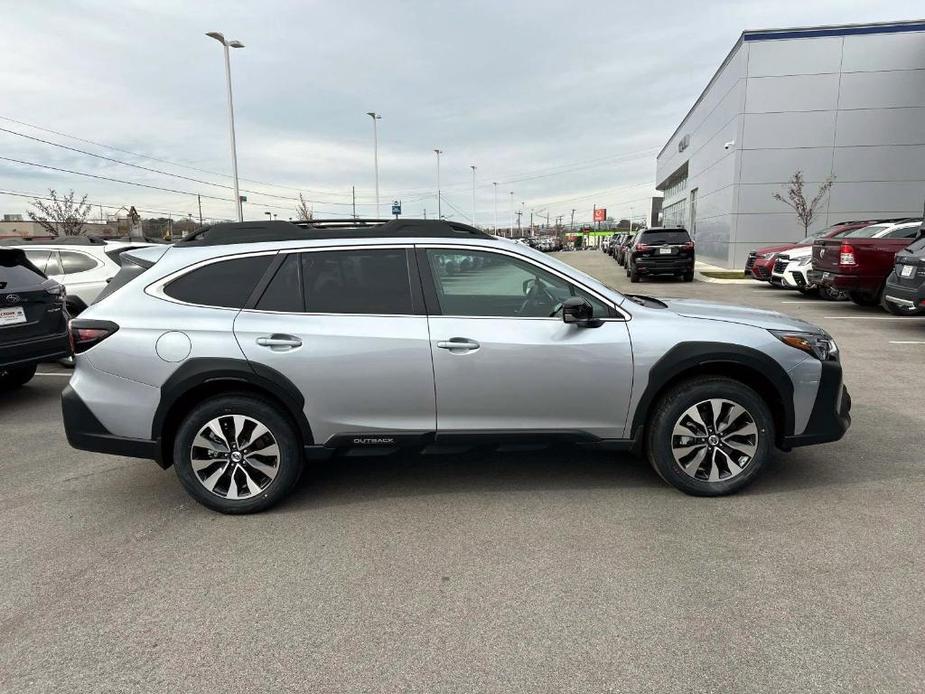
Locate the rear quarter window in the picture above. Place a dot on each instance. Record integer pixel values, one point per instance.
(225, 284)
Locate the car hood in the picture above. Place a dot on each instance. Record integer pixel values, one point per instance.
(770, 320)
(774, 249)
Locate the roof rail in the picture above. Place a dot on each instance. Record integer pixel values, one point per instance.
(278, 230)
(56, 241)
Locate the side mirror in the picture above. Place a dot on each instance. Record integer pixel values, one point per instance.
(579, 311)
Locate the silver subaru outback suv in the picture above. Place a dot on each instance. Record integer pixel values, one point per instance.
(242, 351)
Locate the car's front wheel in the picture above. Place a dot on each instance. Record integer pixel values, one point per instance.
(237, 454)
(16, 377)
(710, 436)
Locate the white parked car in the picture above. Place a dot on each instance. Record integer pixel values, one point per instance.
(83, 264)
(790, 269)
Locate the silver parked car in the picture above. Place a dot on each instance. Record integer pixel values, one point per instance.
(241, 351)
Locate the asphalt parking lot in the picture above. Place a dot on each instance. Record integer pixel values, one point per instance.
(558, 571)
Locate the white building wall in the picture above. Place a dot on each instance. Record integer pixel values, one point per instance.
(848, 106)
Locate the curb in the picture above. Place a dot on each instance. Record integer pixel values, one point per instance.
(713, 280)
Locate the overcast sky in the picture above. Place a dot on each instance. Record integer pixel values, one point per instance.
(564, 103)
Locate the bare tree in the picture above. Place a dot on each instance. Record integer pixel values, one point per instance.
(61, 215)
(796, 200)
(304, 211)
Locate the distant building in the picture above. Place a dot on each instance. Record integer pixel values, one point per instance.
(30, 229)
(842, 101)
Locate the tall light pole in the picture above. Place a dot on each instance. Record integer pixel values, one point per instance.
(234, 151)
(512, 214)
(375, 116)
(495, 184)
(438, 152)
(473, 167)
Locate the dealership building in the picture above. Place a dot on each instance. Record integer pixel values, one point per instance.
(846, 102)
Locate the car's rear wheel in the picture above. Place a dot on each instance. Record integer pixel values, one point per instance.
(16, 377)
(237, 454)
(710, 436)
(831, 294)
(688, 276)
(632, 273)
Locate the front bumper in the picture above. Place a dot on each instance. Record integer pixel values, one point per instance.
(35, 350)
(85, 432)
(831, 413)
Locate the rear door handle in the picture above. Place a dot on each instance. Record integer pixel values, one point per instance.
(279, 343)
(461, 344)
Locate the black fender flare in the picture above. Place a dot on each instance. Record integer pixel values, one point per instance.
(200, 371)
(698, 357)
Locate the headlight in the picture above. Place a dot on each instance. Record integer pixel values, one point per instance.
(765, 256)
(819, 345)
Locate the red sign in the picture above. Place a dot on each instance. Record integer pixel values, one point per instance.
(600, 214)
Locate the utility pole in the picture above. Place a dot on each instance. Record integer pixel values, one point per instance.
(234, 152)
(375, 116)
(495, 184)
(519, 213)
(473, 167)
(571, 225)
(425, 213)
(531, 222)
(438, 152)
(199, 200)
(353, 191)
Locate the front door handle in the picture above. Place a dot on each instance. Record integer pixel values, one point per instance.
(459, 344)
(279, 343)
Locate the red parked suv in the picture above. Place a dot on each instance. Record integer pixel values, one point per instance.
(860, 261)
(760, 263)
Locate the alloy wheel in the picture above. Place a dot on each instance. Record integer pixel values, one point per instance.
(235, 457)
(714, 440)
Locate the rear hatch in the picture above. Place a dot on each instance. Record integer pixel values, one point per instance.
(909, 270)
(133, 263)
(668, 245)
(31, 305)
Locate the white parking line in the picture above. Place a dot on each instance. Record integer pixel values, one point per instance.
(794, 302)
(911, 319)
(44, 373)
(906, 342)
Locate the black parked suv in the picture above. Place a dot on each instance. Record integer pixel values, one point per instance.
(33, 320)
(661, 251)
(904, 293)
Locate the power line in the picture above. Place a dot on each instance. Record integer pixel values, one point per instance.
(94, 203)
(157, 159)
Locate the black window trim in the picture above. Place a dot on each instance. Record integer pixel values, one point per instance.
(433, 304)
(414, 281)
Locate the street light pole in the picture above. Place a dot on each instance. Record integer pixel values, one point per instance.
(495, 184)
(234, 151)
(512, 214)
(438, 152)
(473, 167)
(375, 116)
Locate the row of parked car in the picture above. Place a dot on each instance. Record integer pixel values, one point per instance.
(655, 251)
(870, 262)
(42, 285)
(547, 244)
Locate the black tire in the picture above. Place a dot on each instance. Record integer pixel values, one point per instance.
(633, 275)
(669, 410)
(808, 291)
(862, 299)
(289, 464)
(16, 377)
(688, 276)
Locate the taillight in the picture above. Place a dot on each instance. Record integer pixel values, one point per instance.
(846, 255)
(641, 247)
(84, 334)
(689, 245)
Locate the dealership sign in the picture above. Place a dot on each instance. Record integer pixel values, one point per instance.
(600, 214)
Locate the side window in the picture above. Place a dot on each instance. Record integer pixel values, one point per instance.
(76, 262)
(904, 233)
(227, 283)
(284, 292)
(54, 265)
(39, 259)
(357, 281)
(481, 283)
